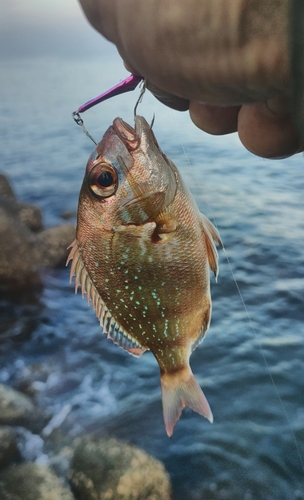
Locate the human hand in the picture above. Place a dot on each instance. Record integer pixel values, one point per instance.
(226, 61)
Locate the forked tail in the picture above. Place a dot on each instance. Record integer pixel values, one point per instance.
(180, 389)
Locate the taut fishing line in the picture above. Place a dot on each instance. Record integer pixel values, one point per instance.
(246, 309)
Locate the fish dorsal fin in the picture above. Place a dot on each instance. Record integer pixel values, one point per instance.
(109, 326)
(211, 235)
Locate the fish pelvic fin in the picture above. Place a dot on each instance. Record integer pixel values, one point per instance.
(180, 389)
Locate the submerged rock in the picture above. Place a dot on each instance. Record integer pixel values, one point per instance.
(17, 409)
(112, 470)
(30, 481)
(25, 248)
(8, 446)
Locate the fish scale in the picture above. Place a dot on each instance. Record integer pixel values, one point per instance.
(142, 254)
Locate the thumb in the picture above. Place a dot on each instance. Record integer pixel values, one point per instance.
(267, 130)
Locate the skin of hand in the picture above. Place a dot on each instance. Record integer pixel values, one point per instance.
(227, 61)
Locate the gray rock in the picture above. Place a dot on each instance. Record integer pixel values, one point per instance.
(18, 244)
(52, 245)
(30, 481)
(8, 446)
(30, 215)
(6, 190)
(112, 470)
(17, 409)
(25, 248)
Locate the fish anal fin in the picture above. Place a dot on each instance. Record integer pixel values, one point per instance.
(120, 337)
(211, 235)
(128, 346)
(180, 389)
(137, 352)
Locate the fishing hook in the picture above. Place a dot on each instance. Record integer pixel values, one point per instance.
(126, 85)
(141, 95)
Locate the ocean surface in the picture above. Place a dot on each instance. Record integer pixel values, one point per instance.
(251, 363)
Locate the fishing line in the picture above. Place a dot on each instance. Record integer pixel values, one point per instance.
(246, 310)
(77, 119)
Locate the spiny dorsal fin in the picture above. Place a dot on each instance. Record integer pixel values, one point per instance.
(211, 234)
(109, 326)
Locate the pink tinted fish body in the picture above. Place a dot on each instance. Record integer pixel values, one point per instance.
(142, 254)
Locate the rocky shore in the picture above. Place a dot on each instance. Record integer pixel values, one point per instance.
(95, 468)
(26, 247)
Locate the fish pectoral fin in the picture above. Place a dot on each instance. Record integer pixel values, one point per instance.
(166, 229)
(211, 235)
(180, 389)
(169, 225)
(144, 231)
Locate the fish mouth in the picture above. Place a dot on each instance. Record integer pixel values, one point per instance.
(157, 186)
(127, 134)
(130, 136)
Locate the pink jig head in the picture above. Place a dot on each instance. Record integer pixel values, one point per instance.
(126, 85)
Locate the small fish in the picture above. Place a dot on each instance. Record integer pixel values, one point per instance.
(142, 255)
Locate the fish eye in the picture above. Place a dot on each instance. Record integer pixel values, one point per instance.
(106, 179)
(103, 180)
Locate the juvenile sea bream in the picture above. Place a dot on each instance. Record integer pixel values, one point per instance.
(142, 254)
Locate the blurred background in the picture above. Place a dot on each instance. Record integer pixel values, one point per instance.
(250, 365)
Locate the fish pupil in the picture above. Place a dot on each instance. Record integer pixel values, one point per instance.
(105, 179)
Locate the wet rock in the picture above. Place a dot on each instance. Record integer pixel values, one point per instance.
(30, 481)
(26, 248)
(112, 470)
(52, 245)
(17, 409)
(8, 446)
(30, 215)
(68, 214)
(6, 190)
(16, 252)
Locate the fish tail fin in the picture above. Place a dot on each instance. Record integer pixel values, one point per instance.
(180, 389)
